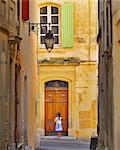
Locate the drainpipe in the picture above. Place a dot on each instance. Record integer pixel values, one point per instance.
(15, 109)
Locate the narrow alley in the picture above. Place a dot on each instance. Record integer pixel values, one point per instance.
(59, 74)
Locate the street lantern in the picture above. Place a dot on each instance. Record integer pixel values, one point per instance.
(49, 41)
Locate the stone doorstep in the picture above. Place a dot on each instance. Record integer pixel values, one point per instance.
(66, 138)
(56, 137)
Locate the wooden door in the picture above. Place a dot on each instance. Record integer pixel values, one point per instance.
(56, 100)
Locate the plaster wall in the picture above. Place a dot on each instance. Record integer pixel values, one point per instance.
(27, 85)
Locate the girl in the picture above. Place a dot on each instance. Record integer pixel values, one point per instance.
(58, 125)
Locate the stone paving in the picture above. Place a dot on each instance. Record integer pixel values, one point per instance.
(63, 143)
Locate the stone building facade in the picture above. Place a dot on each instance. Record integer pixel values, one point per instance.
(8, 43)
(108, 40)
(18, 76)
(68, 75)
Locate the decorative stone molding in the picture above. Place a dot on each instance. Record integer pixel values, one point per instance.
(69, 60)
(18, 58)
(43, 2)
(12, 41)
(3, 29)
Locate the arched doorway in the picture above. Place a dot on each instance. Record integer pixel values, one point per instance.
(56, 100)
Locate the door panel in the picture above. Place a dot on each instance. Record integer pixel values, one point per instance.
(63, 110)
(49, 111)
(62, 102)
(49, 117)
(56, 100)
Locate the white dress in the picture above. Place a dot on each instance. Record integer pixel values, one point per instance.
(58, 126)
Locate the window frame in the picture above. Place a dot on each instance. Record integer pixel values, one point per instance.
(108, 26)
(12, 11)
(49, 19)
(4, 7)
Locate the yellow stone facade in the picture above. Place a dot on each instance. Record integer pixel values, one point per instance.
(80, 74)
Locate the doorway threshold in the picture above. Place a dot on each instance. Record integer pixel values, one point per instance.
(69, 138)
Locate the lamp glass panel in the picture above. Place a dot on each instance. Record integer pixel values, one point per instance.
(49, 43)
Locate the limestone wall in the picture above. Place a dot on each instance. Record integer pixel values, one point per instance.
(86, 94)
(81, 74)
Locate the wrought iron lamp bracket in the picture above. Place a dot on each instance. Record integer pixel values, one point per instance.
(49, 39)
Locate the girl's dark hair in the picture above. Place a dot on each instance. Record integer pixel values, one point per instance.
(59, 114)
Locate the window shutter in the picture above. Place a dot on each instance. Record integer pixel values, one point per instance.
(67, 25)
(25, 10)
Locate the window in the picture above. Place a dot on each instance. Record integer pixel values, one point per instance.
(12, 12)
(109, 25)
(3, 7)
(50, 14)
